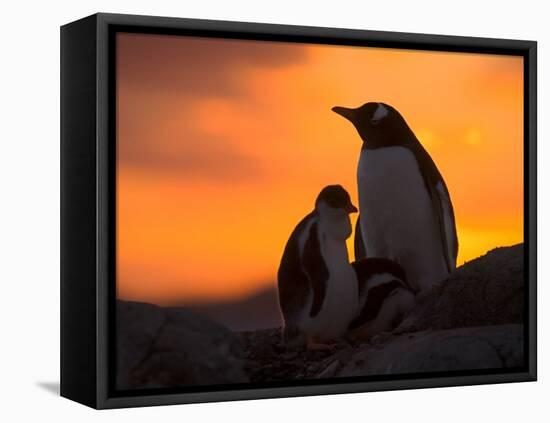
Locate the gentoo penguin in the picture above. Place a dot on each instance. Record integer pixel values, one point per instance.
(385, 297)
(406, 212)
(318, 288)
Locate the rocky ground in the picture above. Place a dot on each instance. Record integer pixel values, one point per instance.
(164, 347)
(470, 348)
(471, 321)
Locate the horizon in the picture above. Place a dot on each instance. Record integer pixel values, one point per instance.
(259, 292)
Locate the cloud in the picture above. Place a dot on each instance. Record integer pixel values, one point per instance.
(166, 142)
(196, 65)
(162, 79)
(207, 158)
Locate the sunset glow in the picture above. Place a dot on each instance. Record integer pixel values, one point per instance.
(223, 146)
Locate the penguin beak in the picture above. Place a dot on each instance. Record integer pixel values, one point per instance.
(349, 114)
(351, 208)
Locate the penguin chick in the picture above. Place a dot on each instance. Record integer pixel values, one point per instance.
(317, 286)
(385, 297)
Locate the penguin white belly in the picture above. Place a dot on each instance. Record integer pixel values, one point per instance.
(341, 301)
(397, 219)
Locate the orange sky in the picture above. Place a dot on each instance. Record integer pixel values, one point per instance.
(223, 146)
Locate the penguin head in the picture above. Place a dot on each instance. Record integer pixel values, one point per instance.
(333, 205)
(335, 197)
(378, 124)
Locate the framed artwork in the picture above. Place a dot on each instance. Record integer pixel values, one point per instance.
(255, 211)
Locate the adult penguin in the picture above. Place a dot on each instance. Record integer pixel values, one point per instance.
(406, 210)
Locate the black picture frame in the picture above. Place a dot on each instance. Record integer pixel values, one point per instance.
(88, 169)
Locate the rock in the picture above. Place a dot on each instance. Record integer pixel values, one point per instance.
(329, 371)
(289, 355)
(484, 291)
(486, 347)
(138, 324)
(313, 368)
(166, 347)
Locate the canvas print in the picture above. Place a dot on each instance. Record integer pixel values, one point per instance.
(292, 212)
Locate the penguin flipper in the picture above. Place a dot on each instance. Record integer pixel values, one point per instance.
(316, 270)
(367, 268)
(447, 225)
(441, 204)
(358, 242)
(293, 283)
(374, 302)
(293, 291)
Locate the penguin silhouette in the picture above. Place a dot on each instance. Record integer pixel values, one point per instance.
(385, 297)
(317, 285)
(406, 213)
